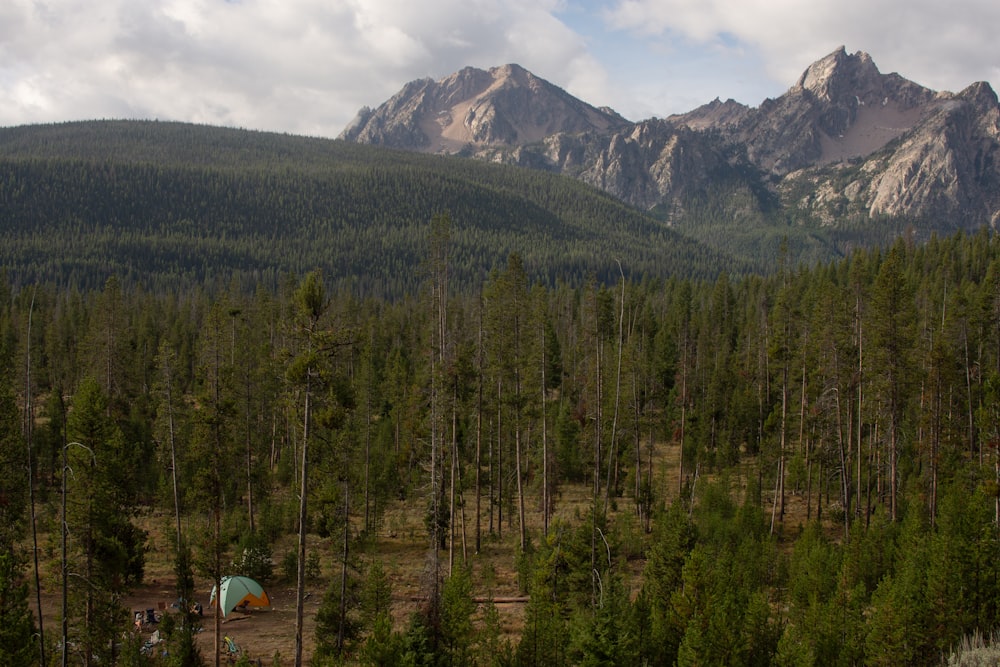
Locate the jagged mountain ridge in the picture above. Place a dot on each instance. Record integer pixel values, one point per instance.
(844, 141)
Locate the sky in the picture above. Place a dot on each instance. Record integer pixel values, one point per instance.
(307, 66)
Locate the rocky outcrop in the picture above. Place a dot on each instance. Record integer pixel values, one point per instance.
(947, 168)
(653, 162)
(714, 115)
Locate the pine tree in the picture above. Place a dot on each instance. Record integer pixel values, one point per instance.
(674, 536)
(14, 483)
(18, 647)
(110, 557)
(212, 451)
(604, 636)
(338, 624)
(457, 610)
(182, 648)
(897, 628)
(17, 625)
(893, 321)
(310, 304)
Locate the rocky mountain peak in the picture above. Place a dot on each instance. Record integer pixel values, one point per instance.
(474, 109)
(840, 109)
(831, 77)
(980, 95)
(715, 114)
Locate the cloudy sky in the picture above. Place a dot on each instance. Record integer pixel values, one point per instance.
(307, 66)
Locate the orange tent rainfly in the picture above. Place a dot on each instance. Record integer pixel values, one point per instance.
(240, 592)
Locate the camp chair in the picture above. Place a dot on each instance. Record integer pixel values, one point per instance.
(232, 648)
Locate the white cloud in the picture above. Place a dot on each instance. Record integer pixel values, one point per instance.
(306, 66)
(942, 45)
(302, 66)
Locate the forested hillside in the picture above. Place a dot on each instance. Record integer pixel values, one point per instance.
(835, 500)
(165, 205)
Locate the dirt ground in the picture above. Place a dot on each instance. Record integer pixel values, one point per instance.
(260, 633)
(401, 546)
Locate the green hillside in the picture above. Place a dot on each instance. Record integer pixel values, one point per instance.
(164, 204)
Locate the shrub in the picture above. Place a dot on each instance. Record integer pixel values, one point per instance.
(253, 557)
(976, 650)
(290, 566)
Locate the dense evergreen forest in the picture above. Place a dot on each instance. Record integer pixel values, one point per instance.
(176, 206)
(864, 393)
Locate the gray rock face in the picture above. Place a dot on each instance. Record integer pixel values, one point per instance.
(946, 168)
(714, 115)
(475, 109)
(844, 137)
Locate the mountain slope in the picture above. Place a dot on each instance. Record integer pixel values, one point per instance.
(159, 203)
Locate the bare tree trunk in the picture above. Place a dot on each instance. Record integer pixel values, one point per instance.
(618, 392)
(803, 444)
(274, 443)
(461, 504)
(935, 441)
(217, 565)
(523, 535)
(64, 530)
(860, 406)
(249, 453)
(824, 484)
(545, 446)
(300, 588)
(173, 448)
(973, 439)
(845, 466)
(780, 484)
(684, 401)
(368, 455)
(29, 429)
(439, 355)
(499, 459)
(893, 472)
(452, 474)
(872, 452)
(479, 432)
(597, 461)
(343, 570)
(435, 491)
(649, 478)
(775, 501)
(636, 413)
(599, 403)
